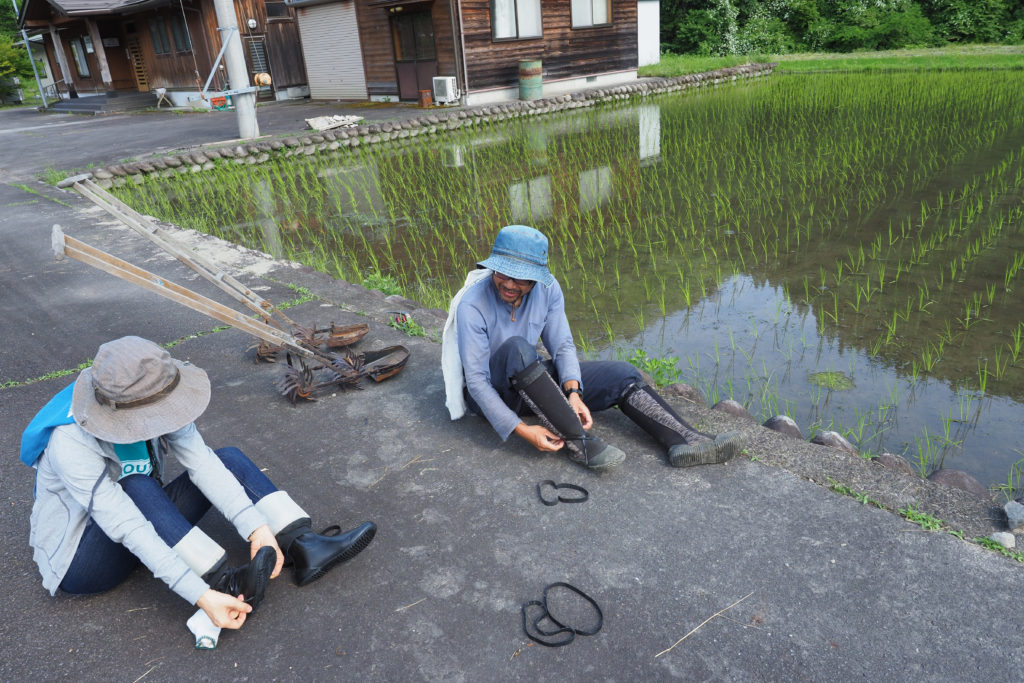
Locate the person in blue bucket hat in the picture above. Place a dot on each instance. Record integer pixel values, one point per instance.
(491, 366)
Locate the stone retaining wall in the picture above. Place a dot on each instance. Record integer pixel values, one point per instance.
(427, 124)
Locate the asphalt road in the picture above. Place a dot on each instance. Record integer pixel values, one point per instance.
(751, 571)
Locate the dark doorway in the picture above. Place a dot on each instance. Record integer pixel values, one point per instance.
(415, 57)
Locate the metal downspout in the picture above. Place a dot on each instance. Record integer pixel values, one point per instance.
(31, 58)
(460, 55)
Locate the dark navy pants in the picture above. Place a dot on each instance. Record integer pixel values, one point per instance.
(604, 381)
(101, 564)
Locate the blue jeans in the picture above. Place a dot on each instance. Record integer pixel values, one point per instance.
(604, 381)
(101, 564)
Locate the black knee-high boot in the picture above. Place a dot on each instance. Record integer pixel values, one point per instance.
(686, 446)
(545, 398)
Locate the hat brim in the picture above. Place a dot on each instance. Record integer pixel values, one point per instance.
(517, 268)
(176, 410)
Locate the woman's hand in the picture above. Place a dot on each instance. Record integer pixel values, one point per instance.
(224, 611)
(263, 537)
(539, 437)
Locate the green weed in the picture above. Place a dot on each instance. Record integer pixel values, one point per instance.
(664, 371)
(922, 519)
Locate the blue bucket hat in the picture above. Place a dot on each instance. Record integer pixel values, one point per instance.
(520, 252)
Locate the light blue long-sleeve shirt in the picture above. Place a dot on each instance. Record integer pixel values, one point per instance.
(485, 322)
(76, 479)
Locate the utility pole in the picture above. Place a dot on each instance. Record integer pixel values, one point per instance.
(242, 92)
(31, 59)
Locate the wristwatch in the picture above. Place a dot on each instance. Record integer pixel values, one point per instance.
(574, 390)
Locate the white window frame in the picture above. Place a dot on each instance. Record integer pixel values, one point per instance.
(587, 13)
(516, 19)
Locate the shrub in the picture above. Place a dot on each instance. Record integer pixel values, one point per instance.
(968, 21)
(765, 34)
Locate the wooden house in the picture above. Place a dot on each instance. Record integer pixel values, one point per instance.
(390, 50)
(126, 46)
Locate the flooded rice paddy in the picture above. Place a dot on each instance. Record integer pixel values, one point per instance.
(844, 249)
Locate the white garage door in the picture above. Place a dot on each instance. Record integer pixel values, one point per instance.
(334, 58)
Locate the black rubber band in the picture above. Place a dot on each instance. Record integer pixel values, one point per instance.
(540, 492)
(561, 628)
(560, 498)
(577, 591)
(544, 614)
(572, 487)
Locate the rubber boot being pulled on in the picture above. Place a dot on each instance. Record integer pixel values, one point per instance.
(686, 446)
(249, 580)
(313, 555)
(546, 400)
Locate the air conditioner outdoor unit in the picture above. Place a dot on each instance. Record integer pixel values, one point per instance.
(446, 91)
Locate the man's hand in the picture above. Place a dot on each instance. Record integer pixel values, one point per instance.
(263, 537)
(224, 611)
(539, 437)
(582, 411)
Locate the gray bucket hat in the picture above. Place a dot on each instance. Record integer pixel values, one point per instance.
(135, 391)
(520, 252)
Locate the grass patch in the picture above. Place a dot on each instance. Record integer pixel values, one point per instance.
(959, 58)
(663, 371)
(832, 380)
(681, 65)
(922, 519)
(986, 542)
(32, 190)
(304, 295)
(845, 490)
(387, 284)
(49, 375)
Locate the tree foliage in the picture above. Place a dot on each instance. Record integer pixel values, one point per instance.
(719, 27)
(14, 59)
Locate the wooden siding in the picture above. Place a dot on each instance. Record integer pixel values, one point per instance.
(378, 48)
(173, 69)
(177, 70)
(565, 52)
(334, 60)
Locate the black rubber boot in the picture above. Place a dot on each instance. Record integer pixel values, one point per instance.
(545, 398)
(250, 580)
(313, 555)
(686, 446)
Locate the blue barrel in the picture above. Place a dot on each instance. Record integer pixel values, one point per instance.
(531, 84)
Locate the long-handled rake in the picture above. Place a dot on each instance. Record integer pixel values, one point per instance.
(334, 336)
(311, 370)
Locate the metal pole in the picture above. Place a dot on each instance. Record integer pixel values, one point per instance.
(238, 75)
(28, 48)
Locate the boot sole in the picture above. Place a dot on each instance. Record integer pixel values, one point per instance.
(357, 547)
(723, 448)
(265, 567)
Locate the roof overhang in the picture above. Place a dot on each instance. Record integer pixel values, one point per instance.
(390, 4)
(311, 3)
(86, 8)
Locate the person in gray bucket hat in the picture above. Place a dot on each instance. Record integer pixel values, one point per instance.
(100, 508)
(490, 364)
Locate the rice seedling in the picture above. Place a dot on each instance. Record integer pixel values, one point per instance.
(883, 203)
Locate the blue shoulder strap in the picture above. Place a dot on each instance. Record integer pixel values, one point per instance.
(55, 413)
